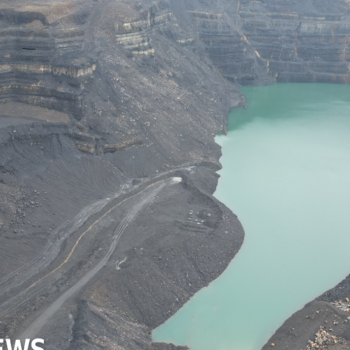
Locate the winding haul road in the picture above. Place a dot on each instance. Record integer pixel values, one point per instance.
(144, 199)
(11, 303)
(52, 249)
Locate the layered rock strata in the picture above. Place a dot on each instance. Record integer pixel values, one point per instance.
(107, 127)
(261, 42)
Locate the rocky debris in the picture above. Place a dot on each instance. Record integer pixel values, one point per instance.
(331, 310)
(16, 203)
(318, 320)
(344, 306)
(98, 327)
(324, 340)
(338, 295)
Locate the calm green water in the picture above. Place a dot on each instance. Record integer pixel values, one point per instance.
(286, 174)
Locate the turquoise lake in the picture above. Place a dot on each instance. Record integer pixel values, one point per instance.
(286, 174)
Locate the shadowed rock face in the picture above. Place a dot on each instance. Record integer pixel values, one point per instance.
(101, 101)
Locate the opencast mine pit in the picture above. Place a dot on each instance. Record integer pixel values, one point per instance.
(102, 104)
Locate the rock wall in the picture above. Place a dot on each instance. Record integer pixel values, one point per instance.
(37, 45)
(299, 44)
(256, 42)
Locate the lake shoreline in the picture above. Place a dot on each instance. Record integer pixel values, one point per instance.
(254, 139)
(321, 313)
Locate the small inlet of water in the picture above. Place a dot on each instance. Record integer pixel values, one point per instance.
(286, 174)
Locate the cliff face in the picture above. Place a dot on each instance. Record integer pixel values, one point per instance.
(255, 42)
(38, 53)
(299, 42)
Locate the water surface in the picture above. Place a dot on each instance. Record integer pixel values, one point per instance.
(286, 174)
